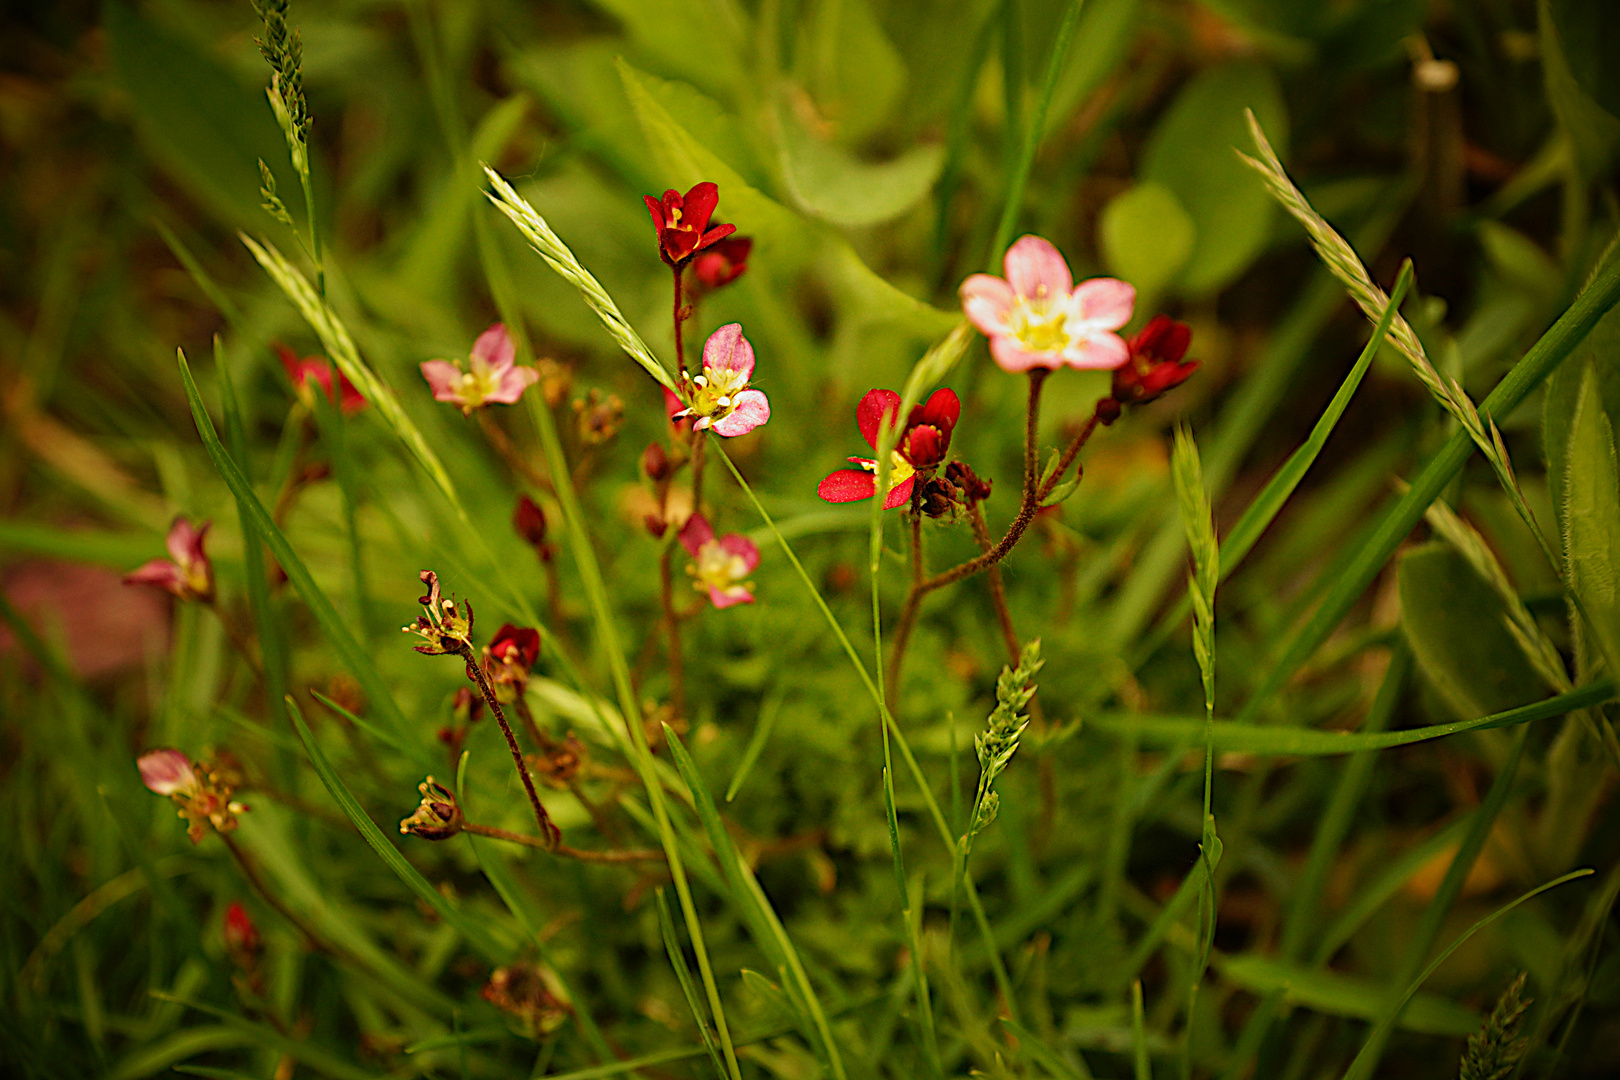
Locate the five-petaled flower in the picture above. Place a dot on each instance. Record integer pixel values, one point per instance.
(315, 369)
(492, 376)
(724, 262)
(438, 817)
(721, 563)
(510, 654)
(920, 447)
(202, 792)
(682, 222)
(1038, 318)
(441, 625)
(188, 574)
(1156, 363)
(719, 398)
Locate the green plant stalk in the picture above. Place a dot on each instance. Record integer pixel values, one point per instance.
(940, 824)
(1036, 124)
(1139, 1050)
(677, 960)
(1367, 1060)
(1546, 354)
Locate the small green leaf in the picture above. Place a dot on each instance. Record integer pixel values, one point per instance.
(1455, 624)
(1146, 236)
(1592, 517)
(1593, 129)
(834, 185)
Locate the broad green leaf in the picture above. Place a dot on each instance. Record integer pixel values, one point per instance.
(1599, 353)
(1591, 499)
(208, 128)
(1341, 995)
(833, 184)
(1191, 153)
(1146, 237)
(853, 71)
(1276, 740)
(1589, 33)
(1520, 260)
(1593, 129)
(1454, 623)
(701, 42)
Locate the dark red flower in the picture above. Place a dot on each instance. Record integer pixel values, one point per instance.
(682, 222)
(530, 522)
(515, 646)
(921, 447)
(316, 369)
(241, 936)
(1155, 364)
(724, 262)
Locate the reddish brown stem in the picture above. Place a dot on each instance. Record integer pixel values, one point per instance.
(998, 592)
(680, 317)
(536, 736)
(502, 444)
(1069, 454)
(476, 673)
(562, 849)
(251, 872)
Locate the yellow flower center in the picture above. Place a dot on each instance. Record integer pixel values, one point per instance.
(718, 568)
(714, 393)
(900, 470)
(1038, 322)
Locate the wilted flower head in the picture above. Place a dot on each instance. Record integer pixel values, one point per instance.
(492, 376)
(1038, 318)
(315, 369)
(439, 815)
(600, 417)
(921, 446)
(559, 763)
(720, 398)
(242, 938)
(531, 994)
(722, 564)
(682, 222)
(202, 791)
(441, 625)
(1155, 364)
(510, 654)
(723, 262)
(187, 573)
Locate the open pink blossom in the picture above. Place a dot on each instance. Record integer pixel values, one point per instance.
(167, 772)
(492, 378)
(315, 369)
(719, 397)
(188, 574)
(1038, 318)
(721, 564)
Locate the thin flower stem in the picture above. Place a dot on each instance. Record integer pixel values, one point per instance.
(998, 592)
(1069, 454)
(562, 849)
(502, 444)
(679, 317)
(672, 627)
(908, 613)
(476, 672)
(239, 640)
(700, 440)
(251, 872)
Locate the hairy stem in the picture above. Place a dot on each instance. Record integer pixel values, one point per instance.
(475, 672)
(998, 592)
(679, 318)
(1071, 452)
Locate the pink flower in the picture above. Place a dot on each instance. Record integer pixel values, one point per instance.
(167, 772)
(316, 369)
(722, 563)
(493, 376)
(719, 397)
(1038, 318)
(922, 445)
(189, 575)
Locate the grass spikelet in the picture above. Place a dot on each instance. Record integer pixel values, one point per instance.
(999, 741)
(1494, 1050)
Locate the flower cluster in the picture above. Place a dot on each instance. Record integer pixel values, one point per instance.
(439, 815)
(316, 370)
(721, 564)
(920, 448)
(203, 792)
(492, 376)
(441, 624)
(187, 573)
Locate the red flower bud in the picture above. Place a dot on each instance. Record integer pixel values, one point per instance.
(655, 462)
(656, 525)
(514, 646)
(241, 935)
(1155, 363)
(530, 522)
(724, 262)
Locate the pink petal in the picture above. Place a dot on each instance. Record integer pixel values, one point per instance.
(160, 573)
(1011, 356)
(513, 381)
(1104, 303)
(494, 347)
(986, 301)
(869, 414)
(165, 772)
(184, 542)
(847, 485)
(1097, 351)
(739, 545)
(900, 494)
(751, 410)
(728, 350)
(724, 598)
(695, 533)
(1035, 269)
(442, 377)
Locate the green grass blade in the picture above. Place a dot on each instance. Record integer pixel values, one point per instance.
(1272, 740)
(1547, 353)
(756, 743)
(677, 960)
(473, 932)
(353, 654)
(1139, 1047)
